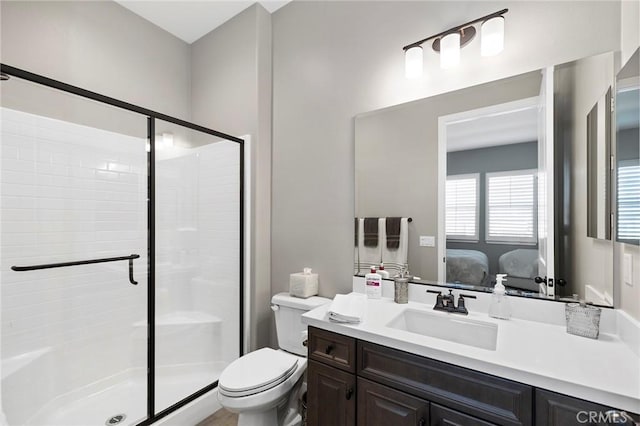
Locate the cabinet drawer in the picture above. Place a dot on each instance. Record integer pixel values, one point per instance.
(486, 397)
(332, 349)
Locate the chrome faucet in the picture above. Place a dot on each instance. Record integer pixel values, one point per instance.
(447, 302)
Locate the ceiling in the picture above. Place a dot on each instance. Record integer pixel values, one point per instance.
(502, 128)
(189, 20)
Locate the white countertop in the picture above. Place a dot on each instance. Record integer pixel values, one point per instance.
(543, 355)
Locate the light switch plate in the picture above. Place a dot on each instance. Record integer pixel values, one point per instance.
(427, 241)
(627, 267)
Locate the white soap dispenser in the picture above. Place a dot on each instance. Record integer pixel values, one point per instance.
(384, 274)
(499, 307)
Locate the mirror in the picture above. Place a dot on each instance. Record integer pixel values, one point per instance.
(473, 170)
(628, 152)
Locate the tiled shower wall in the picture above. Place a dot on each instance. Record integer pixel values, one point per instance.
(197, 239)
(71, 192)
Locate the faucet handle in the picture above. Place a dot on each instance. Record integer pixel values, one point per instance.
(439, 303)
(461, 306)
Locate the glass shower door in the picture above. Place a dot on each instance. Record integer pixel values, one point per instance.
(197, 259)
(74, 259)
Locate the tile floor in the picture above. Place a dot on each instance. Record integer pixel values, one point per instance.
(221, 417)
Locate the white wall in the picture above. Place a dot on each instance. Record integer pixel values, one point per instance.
(231, 91)
(333, 60)
(629, 28)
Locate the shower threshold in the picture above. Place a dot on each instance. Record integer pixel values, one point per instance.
(128, 398)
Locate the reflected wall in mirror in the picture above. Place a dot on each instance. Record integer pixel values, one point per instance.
(628, 152)
(477, 191)
(599, 169)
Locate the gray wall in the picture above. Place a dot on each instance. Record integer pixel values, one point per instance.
(231, 91)
(521, 156)
(99, 46)
(396, 159)
(333, 60)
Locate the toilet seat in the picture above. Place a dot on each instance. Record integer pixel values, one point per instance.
(256, 372)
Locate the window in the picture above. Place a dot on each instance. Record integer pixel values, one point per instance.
(511, 207)
(629, 201)
(461, 218)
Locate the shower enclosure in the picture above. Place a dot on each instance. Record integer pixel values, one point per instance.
(122, 257)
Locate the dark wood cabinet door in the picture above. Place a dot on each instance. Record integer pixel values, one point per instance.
(331, 396)
(554, 409)
(382, 406)
(442, 416)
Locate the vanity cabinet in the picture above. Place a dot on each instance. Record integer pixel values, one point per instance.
(554, 409)
(331, 396)
(331, 376)
(353, 382)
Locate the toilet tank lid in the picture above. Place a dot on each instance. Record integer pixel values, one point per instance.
(285, 299)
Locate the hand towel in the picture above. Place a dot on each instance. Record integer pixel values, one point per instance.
(367, 256)
(371, 231)
(392, 229)
(348, 308)
(394, 259)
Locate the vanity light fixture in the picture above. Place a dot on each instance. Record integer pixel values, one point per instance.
(450, 50)
(449, 42)
(413, 62)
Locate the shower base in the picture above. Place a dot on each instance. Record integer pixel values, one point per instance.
(126, 395)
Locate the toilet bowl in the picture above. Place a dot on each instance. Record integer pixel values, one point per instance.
(260, 400)
(264, 386)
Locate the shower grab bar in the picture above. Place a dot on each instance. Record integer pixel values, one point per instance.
(83, 262)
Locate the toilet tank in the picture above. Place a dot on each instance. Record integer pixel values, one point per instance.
(288, 311)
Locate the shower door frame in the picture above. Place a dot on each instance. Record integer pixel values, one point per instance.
(152, 116)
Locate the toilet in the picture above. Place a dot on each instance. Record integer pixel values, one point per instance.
(264, 386)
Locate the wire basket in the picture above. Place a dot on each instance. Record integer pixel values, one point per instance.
(582, 319)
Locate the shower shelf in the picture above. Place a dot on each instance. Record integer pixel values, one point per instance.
(83, 262)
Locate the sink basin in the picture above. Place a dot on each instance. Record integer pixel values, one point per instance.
(448, 327)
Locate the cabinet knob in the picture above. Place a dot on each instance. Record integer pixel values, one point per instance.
(349, 393)
(305, 343)
(329, 349)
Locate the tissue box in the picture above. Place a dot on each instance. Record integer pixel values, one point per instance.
(303, 284)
